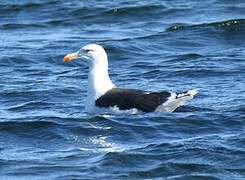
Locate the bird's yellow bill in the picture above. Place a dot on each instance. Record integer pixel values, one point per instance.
(70, 57)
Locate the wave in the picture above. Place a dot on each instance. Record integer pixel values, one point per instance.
(18, 5)
(233, 23)
(14, 125)
(15, 26)
(155, 160)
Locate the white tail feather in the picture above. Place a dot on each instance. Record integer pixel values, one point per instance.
(187, 93)
(176, 100)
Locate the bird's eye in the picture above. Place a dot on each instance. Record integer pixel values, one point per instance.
(86, 50)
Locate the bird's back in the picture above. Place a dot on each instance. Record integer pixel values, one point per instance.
(126, 99)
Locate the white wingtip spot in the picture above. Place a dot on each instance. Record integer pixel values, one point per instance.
(192, 92)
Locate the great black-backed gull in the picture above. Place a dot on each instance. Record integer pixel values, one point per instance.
(104, 97)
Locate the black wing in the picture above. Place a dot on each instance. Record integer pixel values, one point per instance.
(126, 99)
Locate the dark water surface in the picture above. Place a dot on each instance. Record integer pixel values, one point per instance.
(153, 45)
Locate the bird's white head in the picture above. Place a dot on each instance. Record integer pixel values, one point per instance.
(98, 78)
(92, 54)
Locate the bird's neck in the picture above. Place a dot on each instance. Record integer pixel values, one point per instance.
(98, 81)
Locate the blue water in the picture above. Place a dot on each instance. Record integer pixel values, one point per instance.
(175, 45)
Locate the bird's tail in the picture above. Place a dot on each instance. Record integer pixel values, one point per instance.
(176, 100)
(189, 94)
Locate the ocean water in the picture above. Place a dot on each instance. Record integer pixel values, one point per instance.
(174, 45)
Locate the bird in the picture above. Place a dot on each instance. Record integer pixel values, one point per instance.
(104, 97)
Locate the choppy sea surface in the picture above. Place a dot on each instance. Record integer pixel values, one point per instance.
(174, 45)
